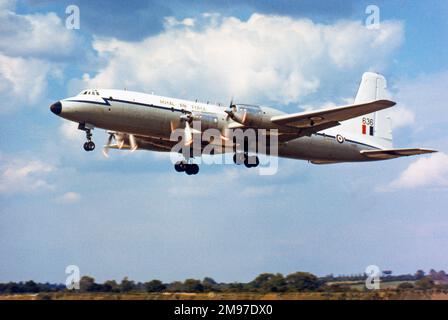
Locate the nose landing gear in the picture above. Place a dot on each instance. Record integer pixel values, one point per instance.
(89, 145)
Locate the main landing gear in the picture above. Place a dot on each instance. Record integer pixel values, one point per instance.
(188, 168)
(89, 145)
(249, 161)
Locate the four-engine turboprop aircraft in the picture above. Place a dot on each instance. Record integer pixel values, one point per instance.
(351, 133)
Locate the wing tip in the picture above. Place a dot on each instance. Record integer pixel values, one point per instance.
(395, 153)
(386, 102)
(428, 150)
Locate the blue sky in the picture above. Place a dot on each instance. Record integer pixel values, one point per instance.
(132, 215)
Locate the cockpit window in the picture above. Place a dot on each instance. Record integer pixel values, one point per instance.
(89, 92)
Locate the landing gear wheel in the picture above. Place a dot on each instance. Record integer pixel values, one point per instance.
(180, 166)
(192, 169)
(251, 162)
(89, 146)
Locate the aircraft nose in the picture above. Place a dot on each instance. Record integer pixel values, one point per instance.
(56, 107)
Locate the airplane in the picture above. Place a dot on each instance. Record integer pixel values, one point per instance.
(351, 133)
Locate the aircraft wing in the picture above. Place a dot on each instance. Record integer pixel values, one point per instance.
(394, 153)
(314, 121)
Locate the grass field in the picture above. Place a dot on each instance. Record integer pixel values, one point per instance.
(377, 295)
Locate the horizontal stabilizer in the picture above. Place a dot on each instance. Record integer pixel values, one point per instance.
(324, 162)
(394, 153)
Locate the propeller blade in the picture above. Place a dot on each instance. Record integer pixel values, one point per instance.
(225, 135)
(120, 140)
(188, 134)
(107, 146)
(133, 143)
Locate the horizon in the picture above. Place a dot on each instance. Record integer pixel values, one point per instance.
(131, 215)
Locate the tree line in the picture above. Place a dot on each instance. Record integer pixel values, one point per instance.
(263, 283)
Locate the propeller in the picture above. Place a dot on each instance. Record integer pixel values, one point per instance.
(133, 143)
(225, 134)
(234, 114)
(188, 134)
(119, 138)
(230, 111)
(108, 144)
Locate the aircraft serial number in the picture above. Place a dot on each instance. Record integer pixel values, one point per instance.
(367, 121)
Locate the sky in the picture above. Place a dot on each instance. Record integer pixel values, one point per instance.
(133, 215)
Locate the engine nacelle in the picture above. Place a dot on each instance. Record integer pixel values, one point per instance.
(250, 115)
(208, 121)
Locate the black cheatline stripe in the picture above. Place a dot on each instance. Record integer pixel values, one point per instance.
(106, 103)
(348, 140)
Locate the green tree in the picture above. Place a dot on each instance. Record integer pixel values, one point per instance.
(268, 282)
(419, 274)
(425, 283)
(193, 285)
(302, 281)
(111, 286)
(87, 284)
(209, 284)
(176, 286)
(31, 286)
(127, 285)
(154, 286)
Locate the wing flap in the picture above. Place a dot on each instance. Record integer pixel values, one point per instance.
(394, 153)
(315, 118)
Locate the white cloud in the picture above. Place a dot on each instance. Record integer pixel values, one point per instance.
(36, 35)
(400, 116)
(173, 22)
(23, 82)
(431, 171)
(7, 4)
(69, 130)
(22, 176)
(69, 197)
(30, 47)
(264, 59)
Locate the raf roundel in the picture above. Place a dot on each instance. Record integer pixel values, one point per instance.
(340, 138)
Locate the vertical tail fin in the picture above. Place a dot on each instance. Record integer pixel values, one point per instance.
(374, 128)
